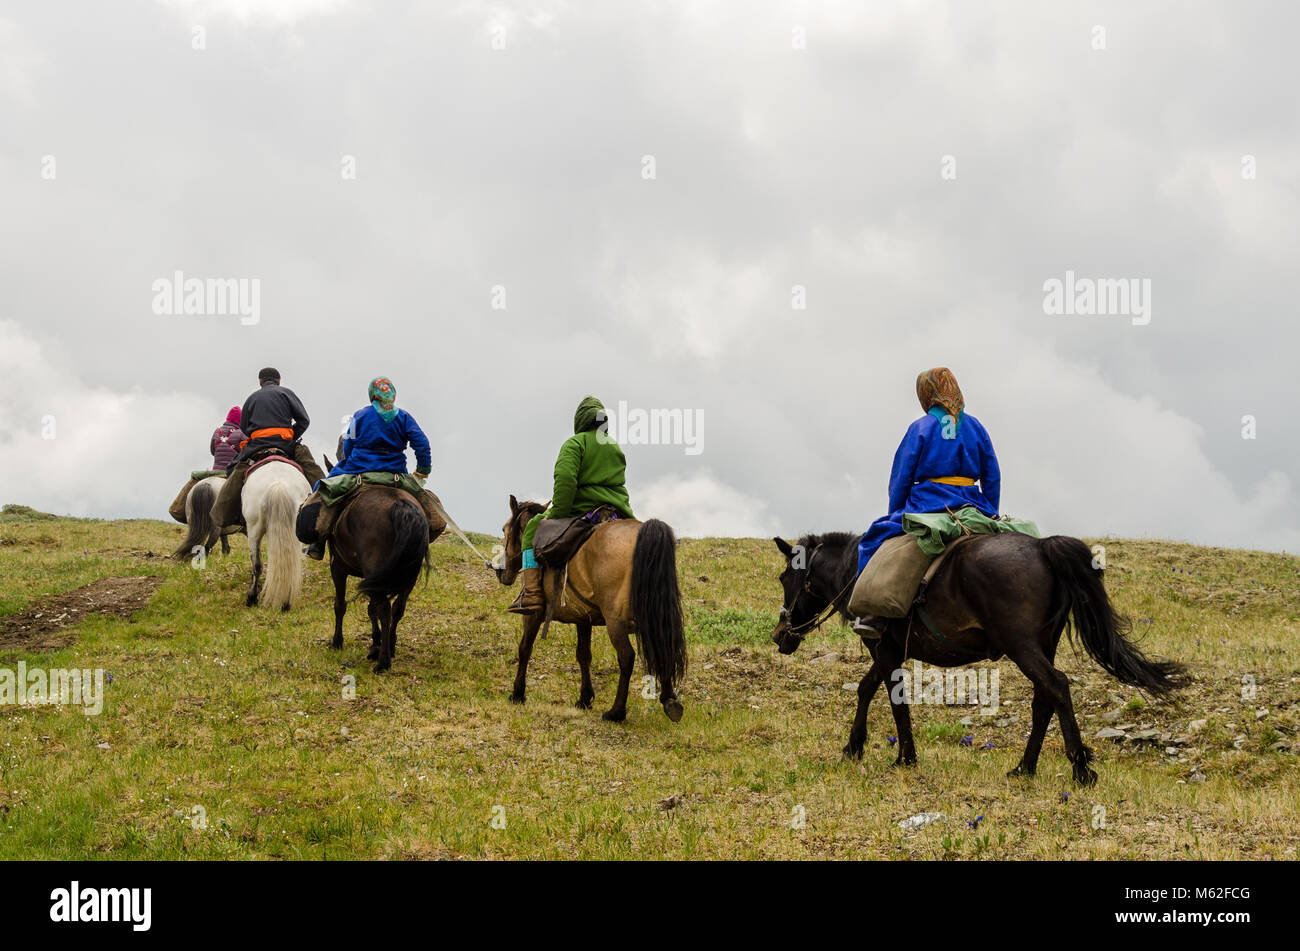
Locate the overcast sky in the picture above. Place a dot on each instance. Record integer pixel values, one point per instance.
(644, 186)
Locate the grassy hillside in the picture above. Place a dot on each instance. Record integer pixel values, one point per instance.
(239, 717)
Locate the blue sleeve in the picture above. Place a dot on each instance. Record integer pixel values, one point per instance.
(990, 472)
(350, 437)
(420, 444)
(903, 474)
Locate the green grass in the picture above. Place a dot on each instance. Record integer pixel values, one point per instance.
(240, 718)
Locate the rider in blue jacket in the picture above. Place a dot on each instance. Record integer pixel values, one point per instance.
(946, 461)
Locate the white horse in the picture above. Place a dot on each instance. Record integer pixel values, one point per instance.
(198, 517)
(270, 499)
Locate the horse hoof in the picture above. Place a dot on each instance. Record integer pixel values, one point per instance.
(516, 698)
(673, 708)
(852, 751)
(614, 716)
(1021, 770)
(372, 654)
(336, 645)
(1085, 777)
(380, 668)
(584, 703)
(250, 601)
(284, 609)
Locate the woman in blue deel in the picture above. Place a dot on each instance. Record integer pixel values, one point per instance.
(376, 441)
(945, 461)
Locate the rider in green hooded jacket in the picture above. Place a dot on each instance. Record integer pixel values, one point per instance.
(590, 472)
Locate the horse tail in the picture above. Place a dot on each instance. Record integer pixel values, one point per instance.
(284, 557)
(656, 604)
(410, 551)
(1103, 630)
(198, 519)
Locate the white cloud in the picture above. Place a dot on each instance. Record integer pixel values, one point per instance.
(113, 454)
(700, 506)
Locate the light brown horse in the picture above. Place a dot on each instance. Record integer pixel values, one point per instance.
(623, 577)
(381, 537)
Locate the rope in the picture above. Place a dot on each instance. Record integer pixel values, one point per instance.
(451, 523)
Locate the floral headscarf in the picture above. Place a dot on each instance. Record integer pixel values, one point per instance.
(938, 387)
(382, 397)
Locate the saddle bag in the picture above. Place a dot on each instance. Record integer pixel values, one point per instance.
(558, 539)
(888, 585)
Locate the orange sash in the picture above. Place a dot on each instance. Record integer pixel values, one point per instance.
(280, 431)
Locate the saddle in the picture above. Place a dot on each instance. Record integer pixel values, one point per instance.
(557, 540)
(897, 576)
(268, 456)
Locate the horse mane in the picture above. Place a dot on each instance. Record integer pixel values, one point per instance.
(828, 539)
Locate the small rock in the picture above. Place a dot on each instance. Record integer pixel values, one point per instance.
(1239, 741)
(850, 687)
(1110, 716)
(967, 721)
(1197, 725)
(1261, 713)
(101, 746)
(1110, 733)
(826, 659)
(921, 819)
(1171, 750)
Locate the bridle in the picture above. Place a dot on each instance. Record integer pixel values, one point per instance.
(815, 623)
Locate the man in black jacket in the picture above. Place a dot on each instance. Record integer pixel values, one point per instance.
(274, 418)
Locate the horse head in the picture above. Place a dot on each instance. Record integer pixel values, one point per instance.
(513, 532)
(808, 583)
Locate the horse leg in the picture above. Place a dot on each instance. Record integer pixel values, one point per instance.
(1042, 708)
(867, 688)
(399, 609)
(890, 657)
(225, 544)
(340, 576)
(618, 636)
(587, 694)
(1035, 665)
(384, 611)
(255, 551)
(532, 624)
(376, 634)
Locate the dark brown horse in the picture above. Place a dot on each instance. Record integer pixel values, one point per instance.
(381, 537)
(996, 595)
(624, 577)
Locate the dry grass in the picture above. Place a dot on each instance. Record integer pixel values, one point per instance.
(238, 716)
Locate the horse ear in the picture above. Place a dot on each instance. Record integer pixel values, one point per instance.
(786, 548)
(514, 504)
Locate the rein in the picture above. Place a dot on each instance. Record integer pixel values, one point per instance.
(451, 523)
(808, 627)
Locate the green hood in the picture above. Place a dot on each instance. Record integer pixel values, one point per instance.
(585, 417)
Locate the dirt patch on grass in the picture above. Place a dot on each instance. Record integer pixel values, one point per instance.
(44, 626)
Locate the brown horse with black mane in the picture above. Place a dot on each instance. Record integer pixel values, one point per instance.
(381, 537)
(625, 577)
(995, 595)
